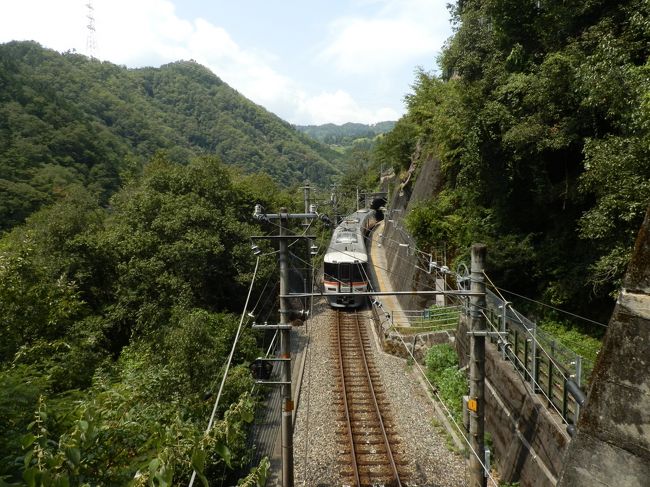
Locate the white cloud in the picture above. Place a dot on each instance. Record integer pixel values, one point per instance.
(399, 33)
(339, 107)
(149, 33)
(57, 25)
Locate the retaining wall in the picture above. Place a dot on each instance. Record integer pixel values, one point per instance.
(528, 441)
(612, 446)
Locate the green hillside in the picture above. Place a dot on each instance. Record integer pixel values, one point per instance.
(67, 120)
(346, 134)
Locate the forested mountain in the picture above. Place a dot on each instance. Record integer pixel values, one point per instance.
(126, 212)
(346, 134)
(541, 122)
(66, 119)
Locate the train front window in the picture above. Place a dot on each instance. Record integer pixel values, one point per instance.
(331, 272)
(358, 274)
(344, 272)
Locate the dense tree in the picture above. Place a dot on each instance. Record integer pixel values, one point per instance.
(69, 120)
(117, 322)
(540, 120)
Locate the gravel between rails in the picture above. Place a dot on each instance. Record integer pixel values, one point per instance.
(316, 444)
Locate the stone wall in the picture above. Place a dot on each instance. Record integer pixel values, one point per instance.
(403, 272)
(612, 445)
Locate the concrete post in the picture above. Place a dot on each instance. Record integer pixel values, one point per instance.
(477, 369)
(503, 330)
(307, 190)
(285, 352)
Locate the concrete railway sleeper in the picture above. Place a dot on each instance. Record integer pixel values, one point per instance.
(368, 442)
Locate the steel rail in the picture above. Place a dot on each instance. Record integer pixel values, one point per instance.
(389, 452)
(345, 401)
(361, 361)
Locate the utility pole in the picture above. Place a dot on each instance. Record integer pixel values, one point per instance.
(476, 402)
(285, 353)
(308, 278)
(285, 330)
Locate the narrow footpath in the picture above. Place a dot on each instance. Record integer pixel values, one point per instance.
(379, 264)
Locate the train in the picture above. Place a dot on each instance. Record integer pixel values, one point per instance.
(345, 266)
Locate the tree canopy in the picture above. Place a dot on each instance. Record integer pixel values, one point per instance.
(116, 322)
(68, 120)
(540, 119)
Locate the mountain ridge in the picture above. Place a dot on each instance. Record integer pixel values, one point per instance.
(66, 119)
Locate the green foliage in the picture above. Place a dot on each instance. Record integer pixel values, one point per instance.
(116, 324)
(115, 443)
(346, 135)
(451, 383)
(258, 475)
(540, 122)
(395, 148)
(66, 120)
(574, 338)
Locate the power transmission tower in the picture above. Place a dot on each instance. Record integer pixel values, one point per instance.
(91, 42)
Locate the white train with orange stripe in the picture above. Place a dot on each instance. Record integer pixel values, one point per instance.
(346, 261)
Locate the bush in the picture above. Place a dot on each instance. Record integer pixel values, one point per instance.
(569, 335)
(442, 370)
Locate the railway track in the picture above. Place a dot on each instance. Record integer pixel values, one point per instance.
(369, 446)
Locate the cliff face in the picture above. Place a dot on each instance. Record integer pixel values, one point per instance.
(612, 446)
(405, 267)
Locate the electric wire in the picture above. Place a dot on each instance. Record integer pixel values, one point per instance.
(552, 307)
(383, 268)
(550, 401)
(368, 238)
(557, 365)
(449, 414)
(261, 295)
(308, 364)
(229, 361)
(520, 318)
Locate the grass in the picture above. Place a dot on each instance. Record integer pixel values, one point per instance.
(452, 385)
(573, 338)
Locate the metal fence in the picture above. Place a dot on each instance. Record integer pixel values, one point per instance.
(537, 356)
(433, 319)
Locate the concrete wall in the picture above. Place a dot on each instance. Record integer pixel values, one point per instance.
(528, 441)
(612, 446)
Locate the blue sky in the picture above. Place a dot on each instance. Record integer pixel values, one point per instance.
(309, 62)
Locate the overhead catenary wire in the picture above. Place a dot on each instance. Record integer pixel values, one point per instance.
(434, 390)
(229, 361)
(583, 318)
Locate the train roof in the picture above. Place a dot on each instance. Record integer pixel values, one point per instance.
(347, 244)
(336, 257)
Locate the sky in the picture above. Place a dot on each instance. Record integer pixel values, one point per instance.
(307, 61)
